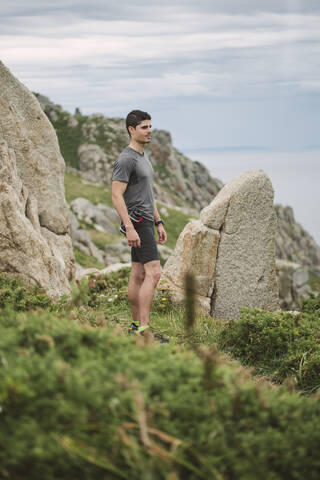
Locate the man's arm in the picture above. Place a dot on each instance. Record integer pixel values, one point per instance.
(118, 189)
(156, 213)
(161, 231)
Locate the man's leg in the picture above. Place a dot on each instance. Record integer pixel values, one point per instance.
(152, 276)
(136, 279)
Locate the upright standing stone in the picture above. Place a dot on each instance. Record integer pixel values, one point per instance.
(242, 263)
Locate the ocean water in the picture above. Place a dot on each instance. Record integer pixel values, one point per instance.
(295, 177)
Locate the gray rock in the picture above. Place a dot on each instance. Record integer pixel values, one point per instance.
(195, 252)
(293, 280)
(117, 248)
(164, 251)
(109, 212)
(84, 272)
(33, 210)
(190, 181)
(73, 223)
(245, 269)
(230, 250)
(93, 215)
(118, 252)
(51, 109)
(300, 277)
(94, 162)
(82, 240)
(72, 122)
(115, 268)
(293, 243)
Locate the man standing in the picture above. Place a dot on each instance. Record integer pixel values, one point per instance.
(132, 197)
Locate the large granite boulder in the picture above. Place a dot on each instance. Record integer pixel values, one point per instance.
(93, 161)
(100, 216)
(295, 244)
(230, 250)
(195, 252)
(293, 280)
(35, 243)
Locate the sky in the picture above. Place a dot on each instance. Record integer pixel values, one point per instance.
(220, 74)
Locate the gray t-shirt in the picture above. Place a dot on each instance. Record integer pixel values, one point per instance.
(136, 170)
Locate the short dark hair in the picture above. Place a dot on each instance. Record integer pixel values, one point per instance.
(135, 117)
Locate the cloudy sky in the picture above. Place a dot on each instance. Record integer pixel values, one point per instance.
(215, 73)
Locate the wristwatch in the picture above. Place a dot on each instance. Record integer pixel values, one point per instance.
(159, 222)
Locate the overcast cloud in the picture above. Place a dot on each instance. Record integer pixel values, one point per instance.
(214, 73)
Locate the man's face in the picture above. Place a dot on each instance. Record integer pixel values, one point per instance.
(142, 132)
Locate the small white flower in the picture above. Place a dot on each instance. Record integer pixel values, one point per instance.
(110, 299)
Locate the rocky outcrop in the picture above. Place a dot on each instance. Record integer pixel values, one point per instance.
(293, 280)
(51, 109)
(189, 181)
(35, 244)
(298, 260)
(293, 243)
(81, 239)
(101, 217)
(93, 161)
(230, 250)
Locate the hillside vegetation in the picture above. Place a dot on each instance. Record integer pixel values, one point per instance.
(80, 398)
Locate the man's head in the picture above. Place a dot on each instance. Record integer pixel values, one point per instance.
(138, 125)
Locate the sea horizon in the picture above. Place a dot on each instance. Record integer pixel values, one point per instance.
(294, 173)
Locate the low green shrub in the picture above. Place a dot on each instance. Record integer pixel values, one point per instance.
(311, 304)
(278, 344)
(109, 292)
(86, 403)
(19, 296)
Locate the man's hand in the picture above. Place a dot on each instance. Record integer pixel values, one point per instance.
(132, 237)
(162, 234)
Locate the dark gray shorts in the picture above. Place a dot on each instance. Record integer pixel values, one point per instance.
(148, 250)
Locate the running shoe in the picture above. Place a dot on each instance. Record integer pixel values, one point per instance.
(133, 327)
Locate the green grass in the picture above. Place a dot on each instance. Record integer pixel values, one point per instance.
(101, 239)
(87, 261)
(95, 193)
